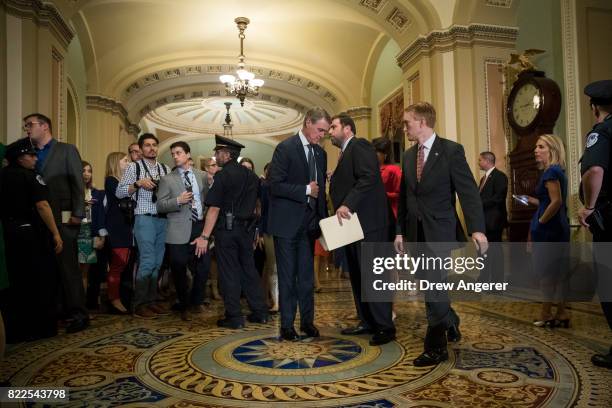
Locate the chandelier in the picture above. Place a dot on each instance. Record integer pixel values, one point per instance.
(246, 84)
(227, 125)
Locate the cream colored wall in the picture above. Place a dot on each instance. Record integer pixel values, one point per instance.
(29, 79)
(105, 133)
(77, 80)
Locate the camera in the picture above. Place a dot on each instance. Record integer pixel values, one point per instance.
(154, 191)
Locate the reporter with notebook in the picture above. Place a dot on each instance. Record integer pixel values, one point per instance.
(356, 187)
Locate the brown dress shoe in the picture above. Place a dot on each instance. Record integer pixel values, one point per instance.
(159, 309)
(144, 312)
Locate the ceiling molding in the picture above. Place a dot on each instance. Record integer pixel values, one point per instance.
(193, 115)
(359, 112)
(211, 72)
(109, 105)
(458, 36)
(174, 96)
(43, 14)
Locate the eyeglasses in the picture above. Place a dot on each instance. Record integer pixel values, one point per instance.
(28, 125)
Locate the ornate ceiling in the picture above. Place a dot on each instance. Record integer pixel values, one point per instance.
(207, 115)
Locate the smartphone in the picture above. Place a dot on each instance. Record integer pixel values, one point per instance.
(523, 199)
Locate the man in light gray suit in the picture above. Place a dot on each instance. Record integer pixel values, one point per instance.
(181, 197)
(60, 166)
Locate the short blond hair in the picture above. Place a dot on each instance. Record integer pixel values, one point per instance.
(556, 148)
(113, 168)
(425, 111)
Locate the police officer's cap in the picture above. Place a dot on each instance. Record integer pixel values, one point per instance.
(225, 143)
(600, 92)
(18, 148)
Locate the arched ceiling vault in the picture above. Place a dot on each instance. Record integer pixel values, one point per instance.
(326, 42)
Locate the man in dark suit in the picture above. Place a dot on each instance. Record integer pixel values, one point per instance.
(60, 166)
(297, 203)
(493, 190)
(434, 170)
(356, 187)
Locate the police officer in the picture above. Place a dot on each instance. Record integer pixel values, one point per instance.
(596, 193)
(231, 217)
(27, 220)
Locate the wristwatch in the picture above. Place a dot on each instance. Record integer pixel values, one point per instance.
(205, 237)
(135, 185)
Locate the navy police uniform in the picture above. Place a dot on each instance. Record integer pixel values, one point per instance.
(598, 152)
(30, 302)
(235, 192)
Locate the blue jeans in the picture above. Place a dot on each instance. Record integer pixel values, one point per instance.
(150, 233)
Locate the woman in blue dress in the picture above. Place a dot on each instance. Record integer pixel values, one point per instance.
(549, 231)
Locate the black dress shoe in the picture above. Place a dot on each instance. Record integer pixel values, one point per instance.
(453, 334)
(253, 318)
(354, 331)
(382, 337)
(289, 334)
(431, 357)
(603, 360)
(77, 325)
(230, 324)
(310, 330)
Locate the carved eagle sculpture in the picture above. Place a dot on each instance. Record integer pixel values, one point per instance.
(523, 61)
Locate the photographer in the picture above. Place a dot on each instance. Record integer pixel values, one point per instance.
(140, 181)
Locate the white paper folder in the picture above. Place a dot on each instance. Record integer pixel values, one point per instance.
(335, 235)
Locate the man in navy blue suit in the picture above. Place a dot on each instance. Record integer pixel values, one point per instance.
(297, 203)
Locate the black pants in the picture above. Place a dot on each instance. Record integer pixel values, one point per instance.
(237, 272)
(440, 314)
(29, 304)
(601, 258)
(181, 256)
(71, 281)
(295, 266)
(375, 315)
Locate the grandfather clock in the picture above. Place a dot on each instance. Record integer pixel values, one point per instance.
(533, 107)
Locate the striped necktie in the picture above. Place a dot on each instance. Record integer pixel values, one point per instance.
(189, 187)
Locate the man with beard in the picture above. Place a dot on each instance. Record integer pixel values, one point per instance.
(356, 187)
(140, 182)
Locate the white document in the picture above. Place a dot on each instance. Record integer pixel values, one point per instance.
(335, 235)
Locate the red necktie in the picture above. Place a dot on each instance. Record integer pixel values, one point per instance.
(420, 161)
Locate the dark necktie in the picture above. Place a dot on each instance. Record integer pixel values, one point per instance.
(312, 173)
(189, 187)
(420, 162)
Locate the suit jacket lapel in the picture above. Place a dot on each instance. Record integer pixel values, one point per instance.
(411, 159)
(301, 154)
(432, 158)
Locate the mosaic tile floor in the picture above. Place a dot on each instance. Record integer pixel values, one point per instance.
(502, 361)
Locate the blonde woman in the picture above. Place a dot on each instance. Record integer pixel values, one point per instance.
(119, 229)
(549, 231)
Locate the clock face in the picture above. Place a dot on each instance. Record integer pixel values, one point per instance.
(526, 105)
